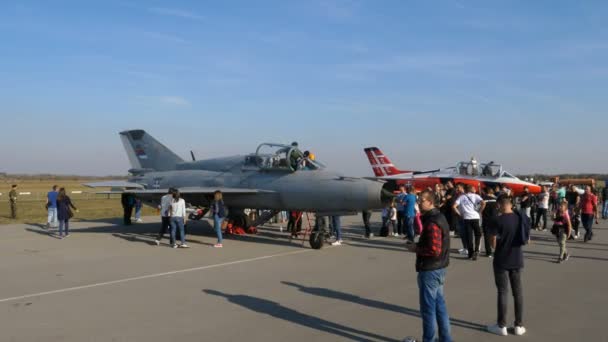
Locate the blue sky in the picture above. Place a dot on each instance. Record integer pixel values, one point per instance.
(524, 83)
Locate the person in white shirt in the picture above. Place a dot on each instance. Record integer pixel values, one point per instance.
(543, 208)
(178, 219)
(165, 216)
(468, 206)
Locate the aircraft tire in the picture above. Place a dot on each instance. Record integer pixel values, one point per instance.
(317, 239)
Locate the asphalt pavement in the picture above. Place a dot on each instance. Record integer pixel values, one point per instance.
(107, 282)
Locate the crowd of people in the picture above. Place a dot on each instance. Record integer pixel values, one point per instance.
(502, 220)
(427, 221)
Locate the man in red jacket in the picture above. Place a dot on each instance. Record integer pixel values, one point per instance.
(432, 259)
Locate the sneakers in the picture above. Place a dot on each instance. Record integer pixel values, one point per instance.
(218, 245)
(337, 243)
(519, 331)
(496, 330)
(475, 255)
(157, 242)
(183, 245)
(452, 234)
(463, 251)
(567, 256)
(173, 246)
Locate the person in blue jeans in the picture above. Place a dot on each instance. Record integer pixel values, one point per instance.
(432, 259)
(218, 211)
(51, 206)
(410, 213)
(178, 219)
(337, 225)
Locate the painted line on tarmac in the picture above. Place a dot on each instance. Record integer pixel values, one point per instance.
(150, 276)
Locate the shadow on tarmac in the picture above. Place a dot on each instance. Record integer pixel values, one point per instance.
(279, 311)
(322, 292)
(526, 253)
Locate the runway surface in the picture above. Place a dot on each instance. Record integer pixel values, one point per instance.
(107, 282)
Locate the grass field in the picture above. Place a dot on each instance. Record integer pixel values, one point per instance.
(31, 207)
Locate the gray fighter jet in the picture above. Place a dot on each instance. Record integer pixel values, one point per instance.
(276, 177)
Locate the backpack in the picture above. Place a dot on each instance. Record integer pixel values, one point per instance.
(525, 225)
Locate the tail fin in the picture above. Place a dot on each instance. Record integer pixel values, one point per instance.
(381, 165)
(145, 152)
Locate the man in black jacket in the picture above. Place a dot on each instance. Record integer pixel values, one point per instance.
(432, 259)
(128, 203)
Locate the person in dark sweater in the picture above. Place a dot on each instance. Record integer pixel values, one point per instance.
(432, 259)
(508, 264)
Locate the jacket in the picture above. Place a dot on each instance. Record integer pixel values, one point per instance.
(433, 249)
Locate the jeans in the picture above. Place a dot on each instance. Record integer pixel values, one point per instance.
(366, 217)
(588, 225)
(502, 278)
(464, 236)
(472, 228)
(541, 213)
(217, 224)
(561, 241)
(137, 213)
(409, 221)
(175, 223)
(400, 222)
(64, 227)
(127, 212)
(487, 234)
(52, 217)
(335, 222)
(605, 210)
(433, 309)
(165, 225)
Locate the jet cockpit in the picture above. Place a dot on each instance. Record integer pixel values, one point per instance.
(279, 157)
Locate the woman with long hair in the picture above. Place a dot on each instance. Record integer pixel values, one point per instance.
(64, 212)
(218, 210)
(178, 219)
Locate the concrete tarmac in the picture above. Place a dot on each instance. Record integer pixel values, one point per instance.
(107, 282)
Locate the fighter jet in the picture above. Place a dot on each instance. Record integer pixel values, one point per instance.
(466, 172)
(276, 177)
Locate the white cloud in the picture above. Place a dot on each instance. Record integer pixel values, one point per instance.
(174, 100)
(175, 12)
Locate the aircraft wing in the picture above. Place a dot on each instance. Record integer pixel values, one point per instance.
(199, 191)
(114, 184)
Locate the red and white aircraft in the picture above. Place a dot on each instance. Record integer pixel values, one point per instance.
(478, 175)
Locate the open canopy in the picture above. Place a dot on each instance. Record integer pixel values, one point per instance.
(279, 157)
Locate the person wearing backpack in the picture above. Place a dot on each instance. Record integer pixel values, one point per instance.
(489, 216)
(562, 229)
(511, 233)
(218, 211)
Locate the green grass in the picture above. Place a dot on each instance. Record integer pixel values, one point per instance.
(31, 208)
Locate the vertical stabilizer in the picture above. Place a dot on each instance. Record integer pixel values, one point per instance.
(381, 164)
(145, 152)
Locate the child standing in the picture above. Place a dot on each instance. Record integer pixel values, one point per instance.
(392, 219)
(562, 228)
